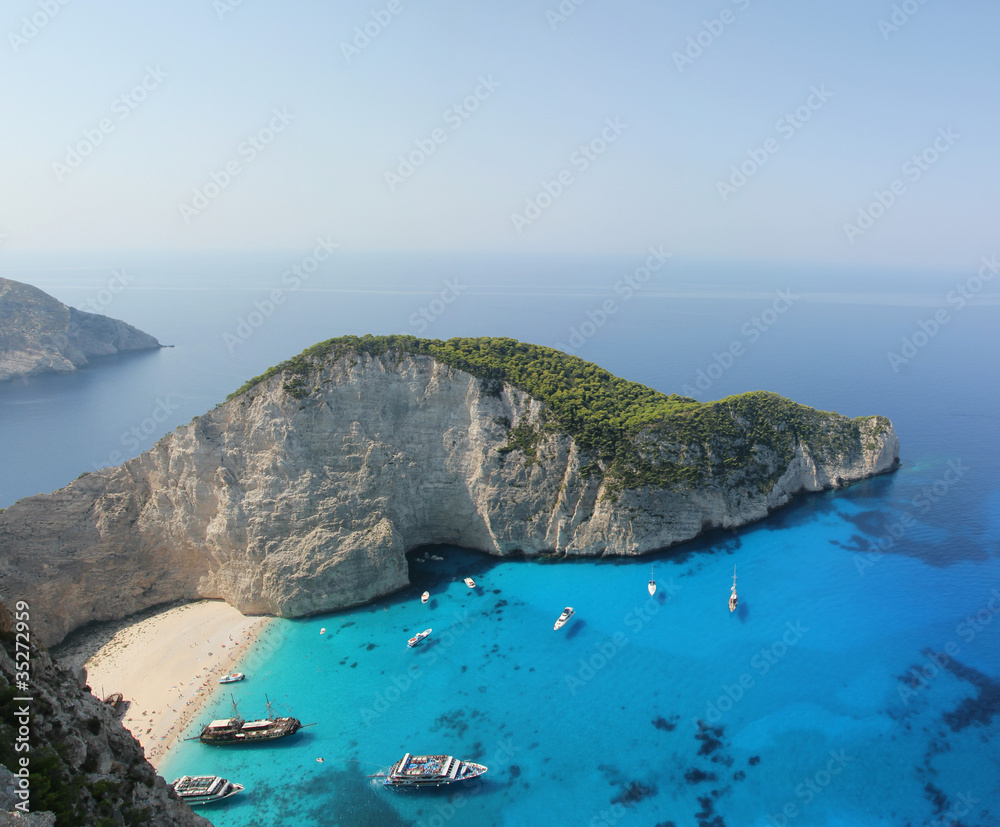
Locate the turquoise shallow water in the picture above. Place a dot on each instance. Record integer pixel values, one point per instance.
(802, 694)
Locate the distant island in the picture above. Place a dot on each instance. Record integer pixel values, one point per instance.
(40, 334)
(303, 492)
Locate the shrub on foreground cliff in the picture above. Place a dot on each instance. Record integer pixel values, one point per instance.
(640, 435)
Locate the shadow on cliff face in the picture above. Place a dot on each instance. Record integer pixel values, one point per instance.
(425, 573)
(804, 509)
(455, 563)
(807, 507)
(82, 644)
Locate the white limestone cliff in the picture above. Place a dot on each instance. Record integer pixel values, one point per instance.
(295, 503)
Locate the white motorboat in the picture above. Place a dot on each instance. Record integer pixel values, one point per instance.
(470, 582)
(425, 597)
(567, 613)
(236, 676)
(419, 636)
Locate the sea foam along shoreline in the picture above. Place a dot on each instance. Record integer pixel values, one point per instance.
(166, 666)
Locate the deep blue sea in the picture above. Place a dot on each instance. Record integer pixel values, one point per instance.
(857, 684)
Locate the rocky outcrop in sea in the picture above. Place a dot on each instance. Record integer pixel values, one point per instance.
(303, 492)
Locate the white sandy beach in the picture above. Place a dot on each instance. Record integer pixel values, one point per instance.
(166, 665)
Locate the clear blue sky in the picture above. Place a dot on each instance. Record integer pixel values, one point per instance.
(215, 77)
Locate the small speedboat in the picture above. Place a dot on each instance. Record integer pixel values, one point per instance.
(323, 631)
(425, 597)
(419, 636)
(567, 613)
(236, 676)
(470, 582)
(434, 557)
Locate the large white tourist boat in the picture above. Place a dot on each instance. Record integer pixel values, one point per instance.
(198, 790)
(428, 771)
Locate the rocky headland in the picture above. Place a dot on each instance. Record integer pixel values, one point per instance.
(40, 334)
(305, 489)
(64, 757)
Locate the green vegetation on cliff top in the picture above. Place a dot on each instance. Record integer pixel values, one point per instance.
(641, 435)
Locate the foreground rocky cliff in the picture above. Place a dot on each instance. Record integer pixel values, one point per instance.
(65, 759)
(303, 492)
(39, 334)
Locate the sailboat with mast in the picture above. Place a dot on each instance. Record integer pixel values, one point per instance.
(235, 730)
(732, 594)
(652, 583)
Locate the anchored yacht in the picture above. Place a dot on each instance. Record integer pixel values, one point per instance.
(237, 731)
(197, 790)
(428, 771)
